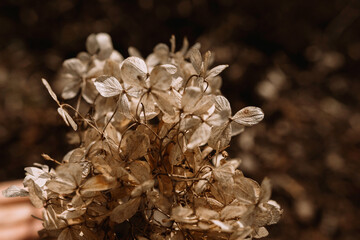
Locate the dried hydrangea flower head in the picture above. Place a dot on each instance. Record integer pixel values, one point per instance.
(151, 162)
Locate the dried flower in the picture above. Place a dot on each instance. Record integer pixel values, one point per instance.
(143, 163)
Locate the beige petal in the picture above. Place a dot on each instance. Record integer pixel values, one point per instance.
(134, 71)
(160, 78)
(196, 59)
(248, 116)
(220, 136)
(67, 118)
(97, 183)
(216, 71)
(200, 136)
(108, 86)
(51, 92)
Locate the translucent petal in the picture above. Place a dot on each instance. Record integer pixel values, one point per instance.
(74, 66)
(196, 60)
(200, 136)
(134, 71)
(248, 116)
(15, 191)
(108, 86)
(67, 118)
(216, 71)
(220, 137)
(51, 92)
(190, 97)
(160, 78)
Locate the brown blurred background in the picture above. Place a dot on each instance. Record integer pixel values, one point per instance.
(298, 60)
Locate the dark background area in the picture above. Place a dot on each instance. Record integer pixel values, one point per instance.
(297, 60)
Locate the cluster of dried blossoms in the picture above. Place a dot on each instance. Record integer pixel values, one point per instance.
(151, 163)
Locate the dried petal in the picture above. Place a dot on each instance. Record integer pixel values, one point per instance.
(108, 86)
(265, 193)
(196, 60)
(67, 118)
(231, 212)
(15, 191)
(97, 183)
(135, 151)
(160, 78)
(74, 66)
(134, 71)
(216, 71)
(220, 136)
(200, 136)
(206, 214)
(248, 116)
(125, 211)
(51, 92)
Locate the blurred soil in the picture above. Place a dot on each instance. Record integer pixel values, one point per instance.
(297, 60)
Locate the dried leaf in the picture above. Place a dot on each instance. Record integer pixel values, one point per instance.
(161, 50)
(91, 44)
(51, 221)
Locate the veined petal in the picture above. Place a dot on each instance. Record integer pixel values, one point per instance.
(134, 71)
(200, 136)
(249, 116)
(108, 86)
(160, 78)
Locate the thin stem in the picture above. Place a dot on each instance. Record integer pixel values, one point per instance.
(71, 107)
